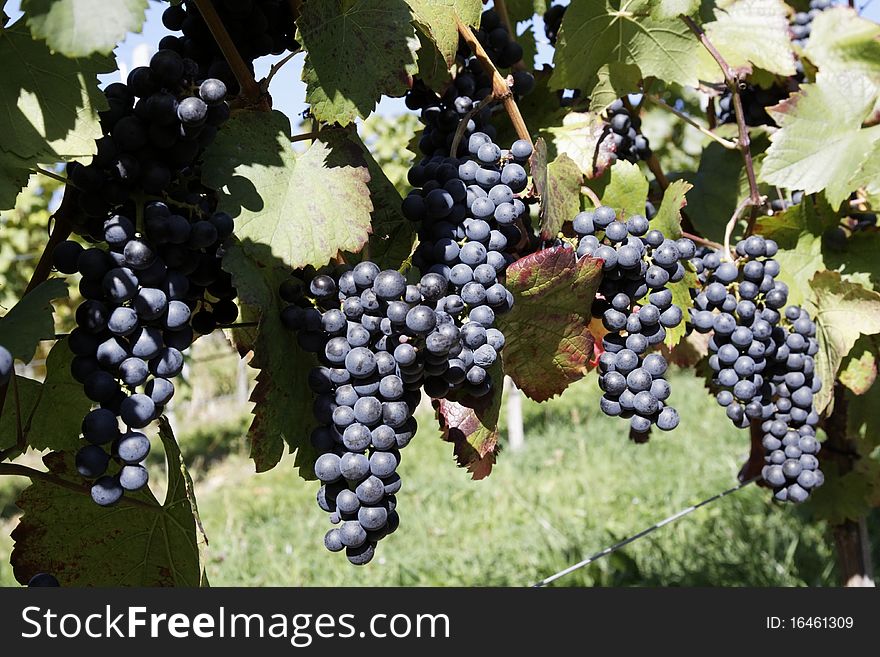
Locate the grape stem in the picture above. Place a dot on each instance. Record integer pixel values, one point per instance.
(691, 122)
(702, 240)
(728, 230)
(314, 134)
(51, 174)
(273, 70)
(591, 195)
(462, 126)
(500, 89)
(249, 86)
(743, 141)
(18, 470)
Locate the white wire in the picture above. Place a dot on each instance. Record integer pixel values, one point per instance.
(614, 548)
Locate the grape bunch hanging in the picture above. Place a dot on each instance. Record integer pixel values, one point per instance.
(153, 281)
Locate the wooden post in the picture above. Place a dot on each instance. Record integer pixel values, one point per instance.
(515, 433)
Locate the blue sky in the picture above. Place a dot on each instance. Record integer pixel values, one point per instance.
(288, 92)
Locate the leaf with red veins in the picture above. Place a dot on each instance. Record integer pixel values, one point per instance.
(549, 343)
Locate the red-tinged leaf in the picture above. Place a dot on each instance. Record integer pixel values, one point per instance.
(471, 425)
(549, 344)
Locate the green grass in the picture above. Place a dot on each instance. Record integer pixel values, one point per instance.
(577, 486)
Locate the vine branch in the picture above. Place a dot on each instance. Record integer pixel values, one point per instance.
(659, 102)
(702, 240)
(51, 174)
(500, 88)
(314, 134)
(743, 141)
(243, 75)
(18, 470)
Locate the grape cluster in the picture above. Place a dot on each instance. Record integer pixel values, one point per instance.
(740, 304)
(637, 308)
(134, 324)
(802, 21)
(156, 126)
(502, 49)
(7, 366)
(256, 27)
(789, 434)
(553, 22)
(763, 370)
(630, 145)
(471, 221)
(464, 98)
(379, 341)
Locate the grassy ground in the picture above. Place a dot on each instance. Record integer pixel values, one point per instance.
(577, 486)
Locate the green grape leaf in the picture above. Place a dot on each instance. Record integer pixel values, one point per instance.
(63, 532)
(549, 345)
(668, 218)
(673, 8)
(595, 34)
(14, 174)
(867, 175)
(79, 28)
(628, 189)
(863, 417)
(302, 209)
(843, 311)
(558, 184)
(49, 105)
(358, 51)
(282, 397)
(615, 80)
(843, 496)
(842, 40)
(436, 19)
(859, 369)
(681, 297)
(857, 256)
(471, 425)
(583, 137)
(798, 231)
(811, 153)
(433, 69)
(749, 33)
(523, 10)
(392, 234)
(718, 186)
(30, 320)
(49, 413)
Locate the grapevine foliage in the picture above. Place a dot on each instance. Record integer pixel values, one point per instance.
(642, 200)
